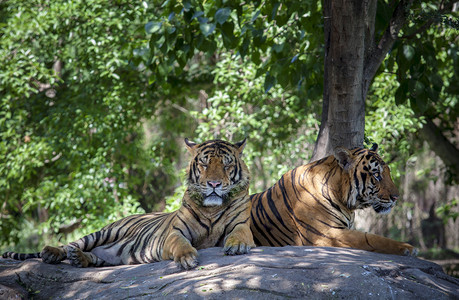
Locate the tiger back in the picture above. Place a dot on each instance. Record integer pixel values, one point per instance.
(215, 211)
(315, 204)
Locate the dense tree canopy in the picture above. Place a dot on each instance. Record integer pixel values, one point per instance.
(97, 96)
(285, 42)
(71, 104)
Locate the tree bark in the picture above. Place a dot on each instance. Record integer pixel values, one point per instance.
(352, 58)
(343, 115)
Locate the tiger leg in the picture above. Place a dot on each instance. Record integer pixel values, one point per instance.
(81, 259)
(179, 249)
(53, 255)
(239, 241)
(371, 242)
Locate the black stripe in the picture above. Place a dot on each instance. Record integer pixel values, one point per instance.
(186, 226)
(230, 223)
(234, 225)
(319, 201)
(86, 242)
(220, 240)
(260, 209)
(358, 151)
(364, 180)
(255, 223)
(273, 208)
(195, 215)
(229, 207)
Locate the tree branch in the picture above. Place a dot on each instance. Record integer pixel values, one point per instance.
(377, 54)
(444, 7)
(442, 147)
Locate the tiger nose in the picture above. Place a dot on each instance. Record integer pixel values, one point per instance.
(214, 184)
(394, 197)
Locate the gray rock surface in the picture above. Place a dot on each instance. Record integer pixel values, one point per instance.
(265, 273)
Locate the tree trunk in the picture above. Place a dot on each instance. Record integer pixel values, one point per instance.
(343, 115)
(351, 60)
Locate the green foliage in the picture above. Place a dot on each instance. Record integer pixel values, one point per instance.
(282, 40)
(426, 62)
(174, 201)
(71, 111)
(276, 124)
(393, 127)
(447, 211)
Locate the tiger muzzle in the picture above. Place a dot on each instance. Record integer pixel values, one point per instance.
(213, 194)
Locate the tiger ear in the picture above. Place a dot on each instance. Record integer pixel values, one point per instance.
(191, 146)
(241, 145)
(374, 147)
(343, 156)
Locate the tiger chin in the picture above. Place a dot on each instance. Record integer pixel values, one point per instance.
(215, 212)
(315, 204)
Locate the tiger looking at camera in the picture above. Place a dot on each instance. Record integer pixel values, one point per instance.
(215, 211)
(315, 204)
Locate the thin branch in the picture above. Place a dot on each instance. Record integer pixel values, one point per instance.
(444, 7)
(375, 58)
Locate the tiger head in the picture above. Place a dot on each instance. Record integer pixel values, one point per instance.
(371, 183)
(216, 172)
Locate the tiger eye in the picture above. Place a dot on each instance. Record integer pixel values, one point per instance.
(377, 175)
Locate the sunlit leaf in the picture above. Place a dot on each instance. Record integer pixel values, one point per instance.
(222, 15)
(152, 27)
(207, 29)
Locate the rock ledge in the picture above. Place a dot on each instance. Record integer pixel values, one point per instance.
(265, 273)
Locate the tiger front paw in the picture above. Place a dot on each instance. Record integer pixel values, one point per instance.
(408, 250)
(236, 247)
(187, 258)
(77, 258)
(52, 255)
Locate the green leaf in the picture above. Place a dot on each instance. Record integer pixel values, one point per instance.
(400, 94)
(278, 47)
(437, 82)
(244, 47)
(274, 10)
(418, 87)
(207, 29)
(152, 27)
(255, 15)
(283, 77)
(256, 57)
(197, 14)
(421, 102)
(229, 39)
(222, 15)
(269, 82)
(408, 52)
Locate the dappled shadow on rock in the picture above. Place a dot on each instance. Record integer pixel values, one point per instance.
(265, 273)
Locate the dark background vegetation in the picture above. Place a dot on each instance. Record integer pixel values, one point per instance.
(97, 96)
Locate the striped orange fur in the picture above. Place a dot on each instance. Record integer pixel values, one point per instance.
(315, 204)
(215, 211)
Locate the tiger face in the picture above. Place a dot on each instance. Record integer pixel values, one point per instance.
(216, 173)
(370, 179)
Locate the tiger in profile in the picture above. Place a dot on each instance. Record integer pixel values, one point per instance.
(215, 211)
(315, 204)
